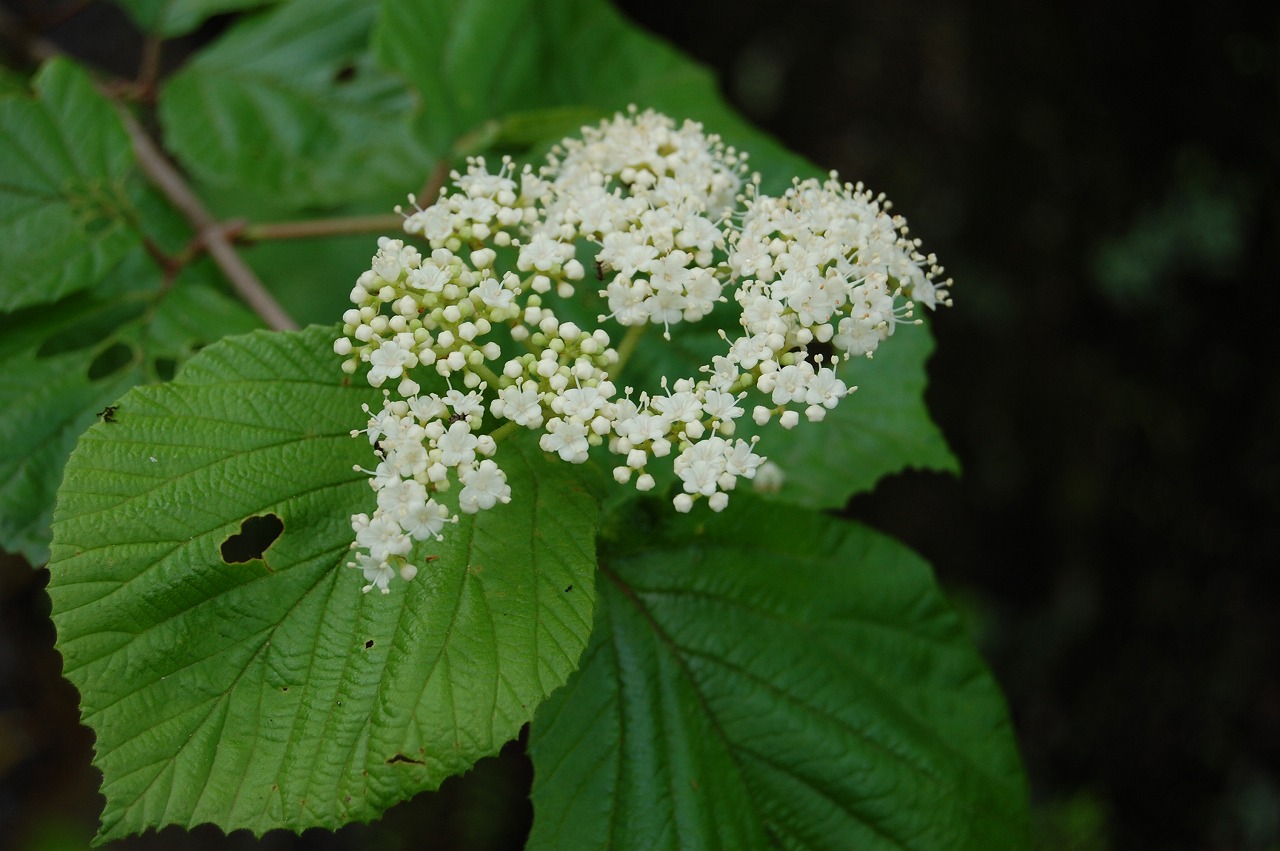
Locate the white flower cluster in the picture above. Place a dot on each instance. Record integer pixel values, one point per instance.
(673, 222)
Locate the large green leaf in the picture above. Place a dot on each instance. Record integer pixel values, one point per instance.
(272, 693)
(288, 105)
(777, 679)
(170, 18)
(476, 61)
(65, 363)
(64, 208)
(470, 60)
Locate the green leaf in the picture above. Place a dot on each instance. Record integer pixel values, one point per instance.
(471, 60)
(775, 679)
(476, 61)
(64, 210)
(193, 314)
(169, 18)
(65, 363)
(272, 693)
(288, 104)
(594, 55)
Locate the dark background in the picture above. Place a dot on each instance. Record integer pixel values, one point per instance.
(1101, 181)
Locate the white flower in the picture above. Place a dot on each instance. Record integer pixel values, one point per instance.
(484, 486)
(428, 408)
(429, 277)
(425, 519)
(389, 360)
(521, 404)
(377, 573)
(682, 406)
(721, 406)
(465, 404)
(394, 258)
(856, 338)
(582, 402)
(742, 461)
(543, 253)
(825, 389)
(495, 293)
(751, 350)
(567, 438)
(457, 445)
(627, 300)
(382, 538)
(627, 253)
(699, 467)
(665, 306)
(701, 292)
(791, 383)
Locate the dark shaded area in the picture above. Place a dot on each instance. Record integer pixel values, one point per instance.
(255, 536)
(1101, 181)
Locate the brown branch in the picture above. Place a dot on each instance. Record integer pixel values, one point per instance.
(435, 180)
(149, 68)
(342, 226)
(167, 179)
(339, 226)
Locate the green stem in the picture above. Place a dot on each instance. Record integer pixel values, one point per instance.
(504, 431)
(490, 377)
(628, 345)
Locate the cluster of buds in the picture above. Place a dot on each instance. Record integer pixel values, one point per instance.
(674, 221)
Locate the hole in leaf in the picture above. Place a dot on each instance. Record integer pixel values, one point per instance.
(368, 644)
(402, 758)
(256, 534)
(166, 368)
(98, 323)
(115, 358)
(345, 74)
